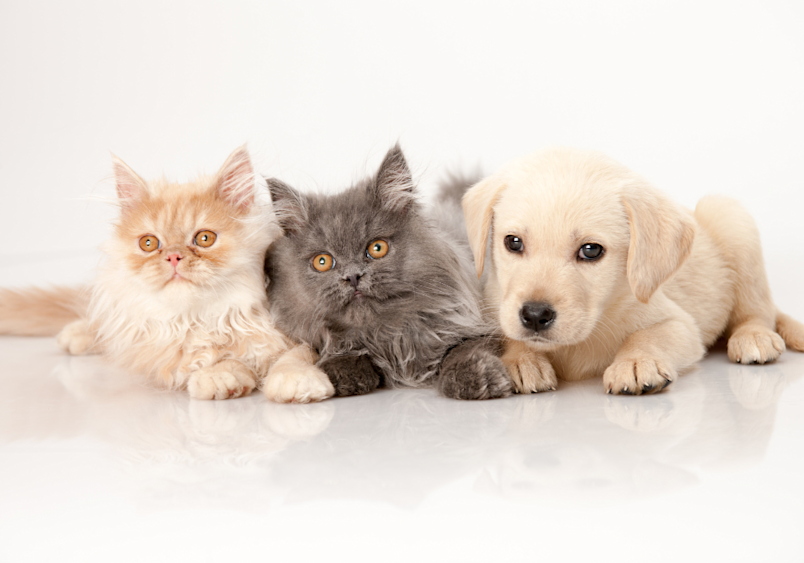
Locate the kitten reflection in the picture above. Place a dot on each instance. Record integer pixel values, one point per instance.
(398, 446)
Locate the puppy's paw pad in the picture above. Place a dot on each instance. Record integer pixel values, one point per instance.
(76, 339)
(754, 345)
(530, 372)
(218, 382)
(637, 376)
(297, 383)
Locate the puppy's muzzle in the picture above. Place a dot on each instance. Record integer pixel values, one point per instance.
(537, 316)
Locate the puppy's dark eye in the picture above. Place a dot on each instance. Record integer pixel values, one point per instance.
(514, 243)
(590, 252)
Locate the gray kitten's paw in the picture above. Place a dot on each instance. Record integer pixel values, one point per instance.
(351, 375)
(473, 370)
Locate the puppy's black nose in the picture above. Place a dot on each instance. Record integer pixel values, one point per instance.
(537, 316)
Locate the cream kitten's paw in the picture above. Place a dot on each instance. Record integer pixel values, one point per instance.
(530, 371)
(224, 380)
(636, 376)
(294, 378)
(76, 339)
(753, 344)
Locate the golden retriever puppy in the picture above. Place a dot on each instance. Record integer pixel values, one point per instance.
(595, 272)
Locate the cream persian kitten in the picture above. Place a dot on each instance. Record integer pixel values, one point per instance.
(180, 297)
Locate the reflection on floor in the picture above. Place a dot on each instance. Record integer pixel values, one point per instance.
(395, 447)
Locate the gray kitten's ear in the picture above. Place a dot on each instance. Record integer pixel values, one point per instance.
(290, 207)
(130, 187)
(394, 185)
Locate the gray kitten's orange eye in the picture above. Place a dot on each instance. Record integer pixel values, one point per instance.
(377, 249)
(205, 239)
(149, 243)
(323, 262)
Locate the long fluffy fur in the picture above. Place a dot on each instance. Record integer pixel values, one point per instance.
(40, 312)
(418, 302)
(200, 322)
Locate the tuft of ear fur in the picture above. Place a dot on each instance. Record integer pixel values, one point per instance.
(235, 179)
(662, 234)
(289, 206)
(478, 205)
(394, 186)
(130, 187)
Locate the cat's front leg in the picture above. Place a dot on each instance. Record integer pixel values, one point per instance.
(225, 380)
(294, 378)
(77, 339)
(473, 370)
(351, 375)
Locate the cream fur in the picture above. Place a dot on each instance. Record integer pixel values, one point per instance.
(668, 285)
(200, 322)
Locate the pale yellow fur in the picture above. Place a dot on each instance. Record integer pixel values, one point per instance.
(669, 284)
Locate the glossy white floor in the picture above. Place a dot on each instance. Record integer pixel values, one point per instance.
(98, 468)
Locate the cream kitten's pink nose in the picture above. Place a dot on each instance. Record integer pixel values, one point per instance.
(174, 259)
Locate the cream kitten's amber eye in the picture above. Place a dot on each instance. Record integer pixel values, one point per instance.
(323, 262)
(377, 249)
(205, 239)
(149, 243)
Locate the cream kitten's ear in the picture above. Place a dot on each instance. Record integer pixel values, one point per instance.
(236, 179)
(130, 187)
(394, 184)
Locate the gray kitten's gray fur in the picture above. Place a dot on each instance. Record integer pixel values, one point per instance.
(409, 319)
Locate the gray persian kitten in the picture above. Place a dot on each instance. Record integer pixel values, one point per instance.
(383, 294)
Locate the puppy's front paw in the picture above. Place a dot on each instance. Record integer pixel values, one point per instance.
(225, 380)
(293, 380)
(754, 344)
(76, 338)
(530, 371)
(638, 376)
(474, 370)
(351, 375)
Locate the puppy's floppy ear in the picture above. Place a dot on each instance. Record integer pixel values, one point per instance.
(662, 234)
(289, 206)
(478, 203)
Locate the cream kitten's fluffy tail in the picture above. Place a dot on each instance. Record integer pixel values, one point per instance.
(40, 312)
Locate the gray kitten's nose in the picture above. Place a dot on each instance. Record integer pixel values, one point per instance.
(354, 279)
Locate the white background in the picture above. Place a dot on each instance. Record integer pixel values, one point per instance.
(699, 97)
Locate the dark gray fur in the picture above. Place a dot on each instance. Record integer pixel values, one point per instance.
(418, 322)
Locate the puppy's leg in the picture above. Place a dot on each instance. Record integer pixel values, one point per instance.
(649, 360)
(225, 380)
(351, 375)
(752, 322)
(473, 370)
(530, 371)
(294, 378)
